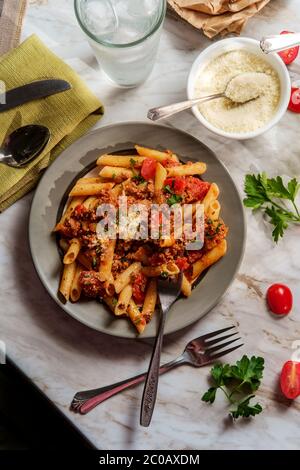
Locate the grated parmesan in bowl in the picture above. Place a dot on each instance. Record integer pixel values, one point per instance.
(224, 113)
(238, 67)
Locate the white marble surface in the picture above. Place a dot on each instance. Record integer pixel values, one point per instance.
(62, 356)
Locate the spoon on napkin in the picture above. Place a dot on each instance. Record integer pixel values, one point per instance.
(241, 89)
(23, 145)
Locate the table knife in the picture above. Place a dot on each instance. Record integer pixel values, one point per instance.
(31, 91)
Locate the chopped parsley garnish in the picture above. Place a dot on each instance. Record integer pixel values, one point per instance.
(94, 262)
(138, 179)
(237, 382)
(167, 189)
(174, 199)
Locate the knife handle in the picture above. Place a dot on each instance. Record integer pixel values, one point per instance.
(31, 91)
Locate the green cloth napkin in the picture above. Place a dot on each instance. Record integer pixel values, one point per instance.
(68, 115)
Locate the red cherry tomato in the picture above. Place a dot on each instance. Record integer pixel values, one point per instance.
(289, 55)
(196, 188)
(177, 184)
(294, 104)
(290, 379)
(280, 299)
(148, 169)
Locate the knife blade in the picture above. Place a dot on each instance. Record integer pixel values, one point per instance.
(32, 91)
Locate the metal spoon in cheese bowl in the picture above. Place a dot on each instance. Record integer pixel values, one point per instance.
(241, 89)
(23, 145)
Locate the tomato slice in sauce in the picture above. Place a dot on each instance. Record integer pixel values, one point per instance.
(148, 169)
(196, 187)
(176, 183)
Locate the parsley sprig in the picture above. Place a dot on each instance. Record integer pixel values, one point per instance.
(271, 195)
(237, 382)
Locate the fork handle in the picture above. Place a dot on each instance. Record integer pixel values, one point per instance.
(150, 389)
(83, 402)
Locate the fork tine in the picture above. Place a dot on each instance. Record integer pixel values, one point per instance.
(215, 333)
(222, 353)
(217, 340)
(220, 346)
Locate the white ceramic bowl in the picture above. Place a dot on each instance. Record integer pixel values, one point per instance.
(250, 45)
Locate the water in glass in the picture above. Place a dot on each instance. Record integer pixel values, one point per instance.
(124, 35)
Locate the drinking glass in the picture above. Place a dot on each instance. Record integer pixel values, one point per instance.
(124, 35)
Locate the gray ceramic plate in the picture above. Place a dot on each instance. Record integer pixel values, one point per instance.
(78, 159)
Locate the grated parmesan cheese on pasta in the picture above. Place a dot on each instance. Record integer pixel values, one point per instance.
(239, 117)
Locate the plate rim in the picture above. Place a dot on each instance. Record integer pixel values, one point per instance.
(125, 335)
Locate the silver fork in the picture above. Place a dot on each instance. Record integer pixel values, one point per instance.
(168, 291)
(198, 353)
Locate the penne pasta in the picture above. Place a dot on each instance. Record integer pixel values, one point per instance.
(89, 189)
(155, 154)
(188, 169)
(106, 260)
(160, 176)
(212, 195)
(117, 190)
(109, 286)
(115, 173)
(125, 277)
(82, 258)
(186, 286)
(72, 251)
(150, 300)
(168, 269)
(90, 202)
(76, 287)
(74, 202)
(208, 259)
(67, 279)
(213, 211)
(124, 299)
(87, 179)
(98, 266)
(127, 161)
(135, 316)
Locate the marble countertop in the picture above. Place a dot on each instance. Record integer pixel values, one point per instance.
(61, 356)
